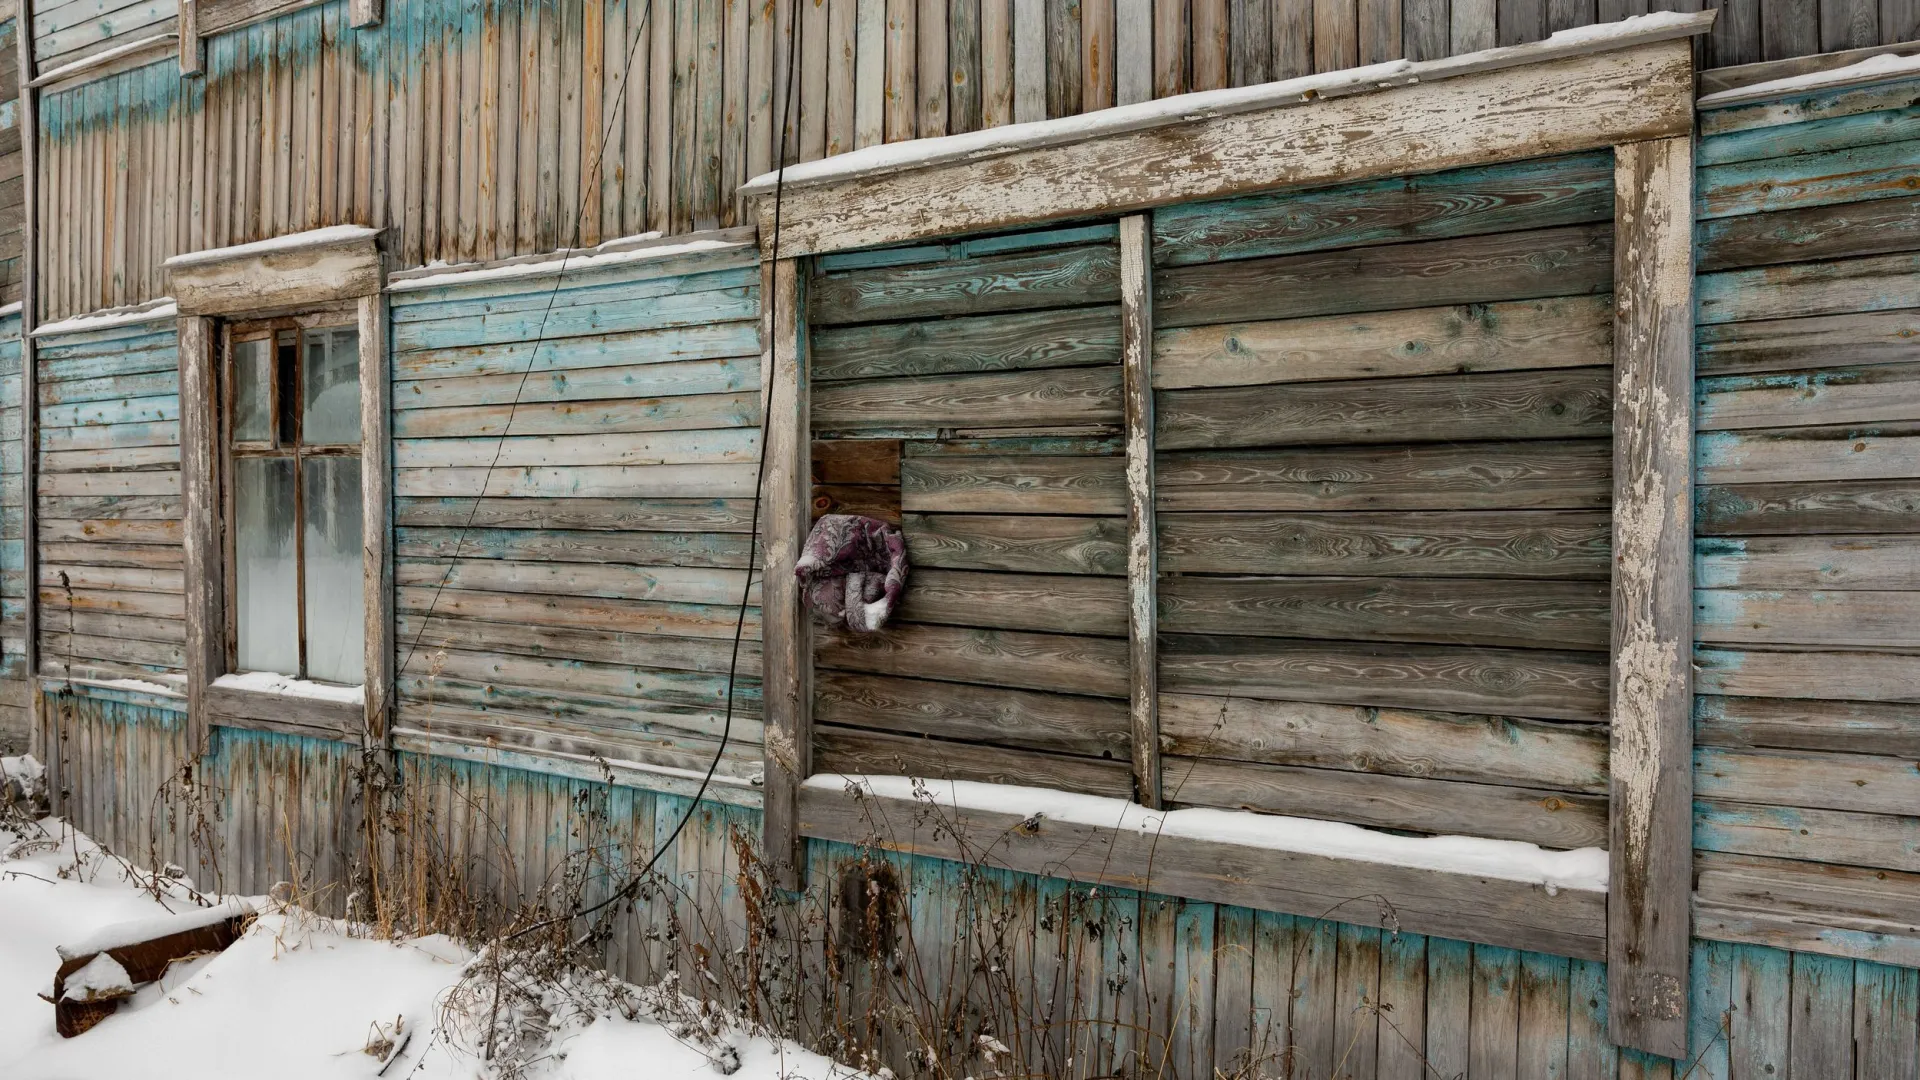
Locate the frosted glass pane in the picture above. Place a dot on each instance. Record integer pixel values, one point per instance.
(330, 411)
(336, 627)
(252, 390)
(263, 548)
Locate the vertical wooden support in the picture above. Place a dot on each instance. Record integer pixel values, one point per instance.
(1133, 51)
(1648, 902)
(376, 515)
(364, 13)
(43, 739)
(192, 51)
(787, 638)
(200, 488)
(1136, 358)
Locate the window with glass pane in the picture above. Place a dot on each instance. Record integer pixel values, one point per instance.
(293, 424)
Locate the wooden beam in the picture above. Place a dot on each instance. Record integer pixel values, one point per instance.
(297, 270)
(43, 739)
(365, 13)
(787, 672)
(1652, 681)
(200, 489)
(1136, 358)
(1503, 105)
(193, 50)
(376, 515)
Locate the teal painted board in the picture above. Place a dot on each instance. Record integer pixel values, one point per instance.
(1591, 1055)
(1450, 1006)
(1852, 174)
(1813, 137)
(1884, 1032)
(1710, 1009)
(1820, 1037)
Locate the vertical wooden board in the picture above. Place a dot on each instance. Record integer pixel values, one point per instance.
(1132, 51)
(590, 120)
(1029, 60)
(1169, 48)
(786, 664)
(1761, 1013)
(1520, 21)
(1249, 41)
(710, 110)
(902, 114)
(1493, 1030)
(1096, 54)
(1356, 1021)
(1884, 1003)
(930, 35)
(870, 70)
(505, 229)
(1789, 28)
(661, 68)
(1544, 988)
(1651, 792)
(1273, 954)
(963, 65)
(1849, 24)
(734, 71)
(1403, 1006)
(1336, 34)
(1379, 30)
(1063, 57)
(1711, 1010)
(1449, 1005)
(1311, 1021)
(1233, 966)
(1136, 333)
(1191, 1052)
(1471, 25)
(1208, 31)
(686, 95)
(1820, 1040)
(840, 74)
(1425, 33)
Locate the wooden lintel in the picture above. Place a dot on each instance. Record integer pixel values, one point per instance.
(200, 490)
(295, 271)
(787, 643)
(1556, 106)
(1136, 358)
(376, 516)
(1652, 676)
(1467, 907)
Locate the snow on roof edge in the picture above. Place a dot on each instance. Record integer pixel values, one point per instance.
(285, 242)
(1584, 869)
(1885, 67)
(102, 58)
(568, 264)
(1206, 104)
(107, 318)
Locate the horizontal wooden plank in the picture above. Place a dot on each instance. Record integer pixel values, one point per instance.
(95, 552)
(1562, 544)
(1876, 170)
(560, 677)
(101, 459)
(1064, 663)
(1396, 742)
(313, 717)
(1838, 231)
(103, 624)
(1572, 475)
(614, 316)
(1778, 455)
(855, 461)
(1012, 281)
(634, 616)
(110, 507)
(1567, 404)
(1839, 617)
(726, 445)
(1542, 192)
(158, 605)
(1888, 123)
(1568, 331)
(1020, 399)
(1512, 682)
(61, 646)
(1874, 337)
(1793, 290)
(674, 584)
(1057, 603)
(1808, 907)
(1562, 261)
(587, 481)
(603, 748)
(1826, 396)
(702, 342)
(1853, 506)
(129, 578)
(1447, 807)
(1060, 723)
(1807, 673)
(1791, 832)
(856, 752)
(582, 288)
(160, 482)
(604, 644)
(1457, 611)
(636, 515)
(1023, 543)
(1013, 341)
(1807, 562)
(637, 381)
(108, 436)
(1861, 727)
(574, 546)
(1869, 783)
(600, 417)
(1565, 922)
(1013, 485)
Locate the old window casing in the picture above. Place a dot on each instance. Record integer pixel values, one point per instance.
(293, 506)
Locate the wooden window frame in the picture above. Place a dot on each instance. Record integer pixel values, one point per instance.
(327, 277)
(1632, 93)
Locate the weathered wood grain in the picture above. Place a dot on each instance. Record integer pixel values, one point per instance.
(1565, 404)
(1842, 230)
(1572, 475)
(1814, 178)
(1807, 907)
(1519, 682)
(1862, 782)
(786, 673)
(1013, 485)
(1059, 603)
(1058, 723)
(1571, 545)
(1856, 506)
(1779, 455)
(1014, 281)
(1808, 562)
(1788, 672)
(1064, 663)
(855, 752)
(1072, 337)
(1881, 392)
(1793, 832)
(1142, 429)
(1806, 724)
(1793, 290)
(1880, 337)
(696, 515)
(1026, 543)
(1015, 399)
(1554, 333)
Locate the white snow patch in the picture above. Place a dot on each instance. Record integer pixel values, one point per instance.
(110, 317)
(104, 56)
(572, 264)
(1509, 860)
(7, 310)
(892, 157)
(102, 977)
(267, 682)
(135, 931)
(22, 767)
(1880, 68)
(332, 234)
(138, 686)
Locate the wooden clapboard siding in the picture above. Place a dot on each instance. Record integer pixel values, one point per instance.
(109, 545)
(1383, 421)
(586, 602)
(972, 392)
(1805, 507)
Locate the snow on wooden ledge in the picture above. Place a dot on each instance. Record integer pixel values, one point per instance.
(646, 247)
(108, 318)
(266, 682)
(332, 234)
(1509, 860)
(990, 142)
(1883, 68)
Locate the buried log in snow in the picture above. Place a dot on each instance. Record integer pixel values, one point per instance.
(99, 970)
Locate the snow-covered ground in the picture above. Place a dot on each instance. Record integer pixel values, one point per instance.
(298, 996)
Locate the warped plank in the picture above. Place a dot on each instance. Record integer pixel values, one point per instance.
(1573, 545)
(1572, 475)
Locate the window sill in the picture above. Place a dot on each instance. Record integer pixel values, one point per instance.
(231, 702)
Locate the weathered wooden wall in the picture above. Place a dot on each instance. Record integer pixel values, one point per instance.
(12, 162)
(107, 499)
(15, 722)
(1809, 645)
(584, 603)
